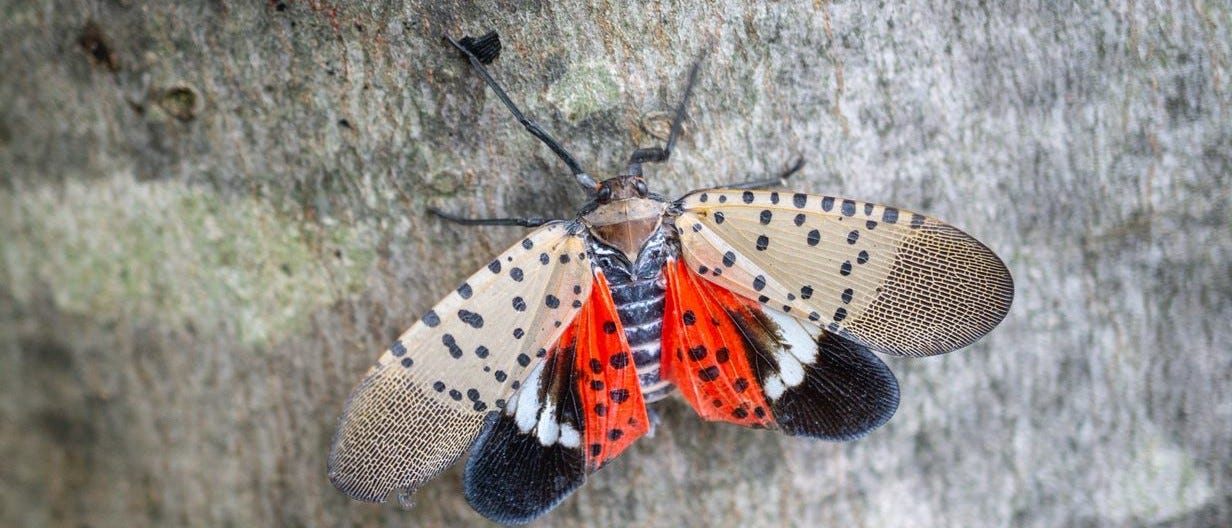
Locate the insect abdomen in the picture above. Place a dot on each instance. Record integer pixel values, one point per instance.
(639, 303)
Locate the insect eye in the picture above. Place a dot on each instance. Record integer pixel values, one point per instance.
(604, 195)
(640, 186)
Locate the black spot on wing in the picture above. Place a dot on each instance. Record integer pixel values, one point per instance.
(511, 478)
(455, 351)
(619, 360)
(846, 393)
(814, 237)
(619, 395)
(849, 208)
(889, 215)
(398, 349)
(471, 318)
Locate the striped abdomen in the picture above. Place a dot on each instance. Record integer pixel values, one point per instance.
(637, 291)
(640, 306)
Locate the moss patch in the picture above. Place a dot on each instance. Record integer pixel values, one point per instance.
(164, 251)
(584, 91)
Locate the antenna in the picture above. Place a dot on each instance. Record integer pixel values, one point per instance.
(661, 154)
(485, 49)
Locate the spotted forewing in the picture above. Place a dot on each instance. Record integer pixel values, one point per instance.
(891, 280)
(424, 402)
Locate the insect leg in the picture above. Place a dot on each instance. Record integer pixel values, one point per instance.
(524, 222)
(489, 46)
(769, 182)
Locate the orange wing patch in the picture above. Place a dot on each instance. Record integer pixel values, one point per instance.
(614, 414)
(705, 354)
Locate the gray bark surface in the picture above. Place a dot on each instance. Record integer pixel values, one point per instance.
(212, 221)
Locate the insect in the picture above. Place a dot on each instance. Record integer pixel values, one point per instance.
(759, 307)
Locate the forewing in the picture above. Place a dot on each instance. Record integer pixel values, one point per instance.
(895, 281)
(424, 402)
(735, 360)
(579, 409)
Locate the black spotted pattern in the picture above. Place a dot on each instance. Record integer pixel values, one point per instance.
(471, 318)
(451, 345)
(814, 237)
(849, 208)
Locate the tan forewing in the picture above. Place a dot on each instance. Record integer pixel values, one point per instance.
(896, 281)
(423, 403)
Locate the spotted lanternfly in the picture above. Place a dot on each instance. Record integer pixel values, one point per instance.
(761, 307)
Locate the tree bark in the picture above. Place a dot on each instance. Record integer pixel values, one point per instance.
(213, 219)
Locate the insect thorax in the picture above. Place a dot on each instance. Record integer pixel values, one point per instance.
(637, 286)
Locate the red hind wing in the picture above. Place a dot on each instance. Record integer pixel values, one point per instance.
(738, 361)
(581, 408)
(705, 354)
(614, 413)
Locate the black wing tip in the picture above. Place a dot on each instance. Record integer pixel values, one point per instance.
(847, 394)
(512, 479)
(486, 48)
